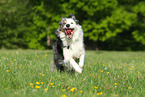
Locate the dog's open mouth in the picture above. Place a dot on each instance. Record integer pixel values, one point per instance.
(69, 32)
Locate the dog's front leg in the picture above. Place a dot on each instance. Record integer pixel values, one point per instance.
(75, 65)
(81, 61)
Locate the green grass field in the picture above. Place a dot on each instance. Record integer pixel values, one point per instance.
(29, 73)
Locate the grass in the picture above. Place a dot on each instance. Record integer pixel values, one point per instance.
(29, 73)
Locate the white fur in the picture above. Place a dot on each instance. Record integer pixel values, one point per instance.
(76, 47)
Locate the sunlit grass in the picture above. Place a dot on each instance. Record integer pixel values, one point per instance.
(107, 74)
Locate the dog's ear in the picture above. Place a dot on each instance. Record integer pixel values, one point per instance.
(77, 21)
(72, 16)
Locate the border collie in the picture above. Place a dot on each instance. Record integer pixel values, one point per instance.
(68, 50)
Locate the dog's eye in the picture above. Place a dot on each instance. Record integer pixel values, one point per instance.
(71, 22)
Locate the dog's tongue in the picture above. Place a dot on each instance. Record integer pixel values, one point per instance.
(69, 33)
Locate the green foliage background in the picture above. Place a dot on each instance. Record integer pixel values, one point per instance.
(107, 24)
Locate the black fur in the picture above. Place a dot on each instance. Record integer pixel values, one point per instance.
(58, 55)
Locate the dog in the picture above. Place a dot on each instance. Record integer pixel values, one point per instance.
(68, 50)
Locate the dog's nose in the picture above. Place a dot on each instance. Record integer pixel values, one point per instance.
(67, 25)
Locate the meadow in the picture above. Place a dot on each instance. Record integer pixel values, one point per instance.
(30, 73)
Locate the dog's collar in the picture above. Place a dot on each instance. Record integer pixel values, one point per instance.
(66, 47)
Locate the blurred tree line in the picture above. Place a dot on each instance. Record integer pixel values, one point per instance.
(107, 24)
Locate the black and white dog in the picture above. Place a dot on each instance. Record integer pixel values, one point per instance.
(68, 50)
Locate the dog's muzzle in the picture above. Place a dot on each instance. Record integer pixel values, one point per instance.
(69, 32)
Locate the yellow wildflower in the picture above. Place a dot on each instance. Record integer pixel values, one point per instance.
(129, 87)
(43, 65)
(37, 87)
(81, 91)
(101, 93)
(95, 87)
(64, 96)
(19, 66)
(42, 83)
(107, 72)
(8, 70)
(45, 89)
(101, 70)
(63, 89)
(16, 93)
(14, 59)
(73, 89)
(67, 87)
(37, 83)
(115, 84)
(47, 70)
(43, 74)
(51, 84)
(98, 93)
(103, 65)
(116, 95)
(31, 84)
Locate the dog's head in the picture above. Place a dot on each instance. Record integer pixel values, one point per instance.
(69, 27)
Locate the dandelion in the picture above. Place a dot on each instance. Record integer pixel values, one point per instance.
(45, 55)
(81, 91)
(37, 83)
(8, 70)
(40, 73)
(138, 72)
(45, 89)
(103, 65)
(43, 65)
(63, 89)
(73, 89)
(43, 74)
(130, 68)
(101, 93)
(31, 84)
(107, 72)
(37, 56)
(64, 96)
(101, 70)
(67, 87)
(42, 83)
(116, 95)
(16, 93)
(95, 87)
(115, 84)
(14, 59)
(37, 87)
(98, 93)
(129, 87)
(51, 84)
(19, 66)
(47, 70)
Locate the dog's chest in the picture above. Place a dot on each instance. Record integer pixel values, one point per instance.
(75, 49)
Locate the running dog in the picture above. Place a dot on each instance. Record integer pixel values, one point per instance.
(68, 50)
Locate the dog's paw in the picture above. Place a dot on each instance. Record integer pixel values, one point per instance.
(79, 70)
(81, 65)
